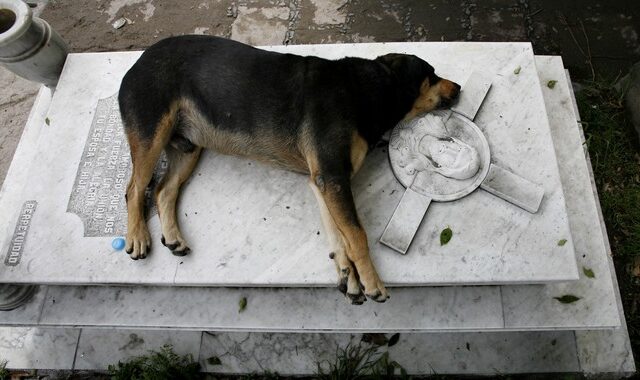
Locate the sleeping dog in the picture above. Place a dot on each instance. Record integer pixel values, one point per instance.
(307, 114)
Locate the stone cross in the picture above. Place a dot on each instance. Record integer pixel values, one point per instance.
(443, 157)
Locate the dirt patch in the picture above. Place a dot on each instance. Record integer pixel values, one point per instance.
(147, 22)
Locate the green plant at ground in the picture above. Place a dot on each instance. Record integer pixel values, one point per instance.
(615, 158)
(613, 148)
(360, 362)
(4, 372)
(157, 365)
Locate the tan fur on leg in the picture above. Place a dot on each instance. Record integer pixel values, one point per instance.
(144, 156)
(348, 282)
(357, 249)
(181, 166)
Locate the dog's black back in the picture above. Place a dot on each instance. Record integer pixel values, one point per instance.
(241, 89)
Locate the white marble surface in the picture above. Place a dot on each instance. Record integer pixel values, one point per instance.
(513, 188)
(284, 309)
(509, 246)
(434, 353)
(17, 176)
(454, 307)
(472, 94)
(27, 314)
(405, 221)
(535, 306)
(34, 347)
(99, 348)
(426, 353)
(598, 351)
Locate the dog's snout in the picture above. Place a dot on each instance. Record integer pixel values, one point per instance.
(452, 90)
(449, 92)
(456, 91)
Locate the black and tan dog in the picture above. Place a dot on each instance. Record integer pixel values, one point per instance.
(306, 114)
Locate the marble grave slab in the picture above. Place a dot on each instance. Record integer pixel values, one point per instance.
(475, 308)
(261, 227)
(597, 351)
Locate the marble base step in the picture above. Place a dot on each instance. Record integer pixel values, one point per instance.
(493, 353)
(438, 325)
(73, 198)
(470, 308)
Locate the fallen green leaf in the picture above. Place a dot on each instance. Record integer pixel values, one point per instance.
(214, 360)
(393, 340)
(562, 242)
(47, 121)
(588, 272)
(552, 83)
(242, 304)
(567, 298)
(378, 339)
(517, 70)
(445, 236)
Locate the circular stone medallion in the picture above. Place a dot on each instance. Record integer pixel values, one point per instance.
(406, 153)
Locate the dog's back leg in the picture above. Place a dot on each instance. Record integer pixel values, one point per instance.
(182, 160)
(145, 153)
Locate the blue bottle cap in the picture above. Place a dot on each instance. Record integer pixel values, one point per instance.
(118, 243)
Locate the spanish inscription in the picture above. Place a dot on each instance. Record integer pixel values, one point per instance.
(98, 194)
(19, 238)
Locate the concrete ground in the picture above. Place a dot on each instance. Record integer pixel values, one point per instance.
(587, 33)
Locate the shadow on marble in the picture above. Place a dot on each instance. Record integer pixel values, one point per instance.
(27, 314)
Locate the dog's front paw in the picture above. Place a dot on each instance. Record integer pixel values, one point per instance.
(138, 243)
(176, 244)
(377, 292)
(373, 286)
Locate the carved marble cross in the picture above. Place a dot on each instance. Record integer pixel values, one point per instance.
(443, 157)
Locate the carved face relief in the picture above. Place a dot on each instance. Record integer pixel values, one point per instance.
(426, 146)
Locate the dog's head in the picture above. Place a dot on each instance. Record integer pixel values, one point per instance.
(419, 83)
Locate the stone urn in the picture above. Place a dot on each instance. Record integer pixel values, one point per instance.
(28, 45)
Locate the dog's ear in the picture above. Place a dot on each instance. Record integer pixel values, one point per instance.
(409, 73)
(390, 62)
(405, 65)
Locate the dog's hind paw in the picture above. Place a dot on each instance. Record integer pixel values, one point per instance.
(178, 247)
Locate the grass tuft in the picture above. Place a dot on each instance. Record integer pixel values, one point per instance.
(359, 362)
(613, 147)
(615, 158)
(163, 364)
(4, 372)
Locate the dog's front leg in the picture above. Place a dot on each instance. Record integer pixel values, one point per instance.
(334, 194)
(348, 283)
